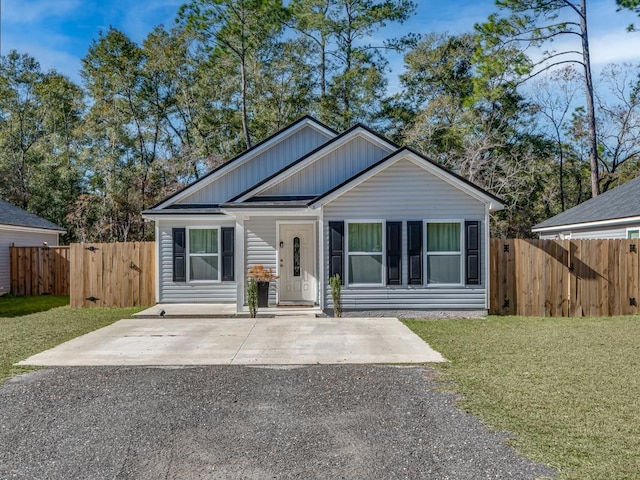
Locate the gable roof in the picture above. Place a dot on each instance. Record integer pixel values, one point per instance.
(236, 161)
(615, 204)
(494, 202)
(311, 157)
(17, 217)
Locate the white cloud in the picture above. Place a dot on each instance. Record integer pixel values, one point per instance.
(50, 57)
(34, 11)
(135, 21)
(615, 47)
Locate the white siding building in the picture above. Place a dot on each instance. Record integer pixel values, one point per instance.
(401, 231)
(22, 229)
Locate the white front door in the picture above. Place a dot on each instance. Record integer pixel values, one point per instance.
(296, 263)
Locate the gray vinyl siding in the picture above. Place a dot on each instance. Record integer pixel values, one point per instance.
(186, 292)
(19, 239)
(332, 169)
(587, 233)
(260, 244)
(406, 192)
(256, 169)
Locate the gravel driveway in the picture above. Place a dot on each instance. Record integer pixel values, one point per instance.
(349, 421)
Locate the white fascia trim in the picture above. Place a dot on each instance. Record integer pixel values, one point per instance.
(249, 156)
(31, 229)
(599, 223)
(357, 132)
(187, 217)
(493, 205)
(270, 212)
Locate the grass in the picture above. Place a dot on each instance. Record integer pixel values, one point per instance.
(569, 389)
(14, 306)
(30, 333)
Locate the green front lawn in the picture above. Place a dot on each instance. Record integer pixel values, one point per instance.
(31, 333)
(569, 389)
(14, 306)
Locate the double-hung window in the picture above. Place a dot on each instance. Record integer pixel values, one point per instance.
(204, 256)
(633, 233)
(365, 247)
(444, 253)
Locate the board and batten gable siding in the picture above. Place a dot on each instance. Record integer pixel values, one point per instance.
(261, 236)
(256, 169)
(598, 233)
(19, 238)
(330, 170)
(406, 192)
(186, 292)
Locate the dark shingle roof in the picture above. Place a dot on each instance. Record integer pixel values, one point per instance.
(12, 215)
(618, 203)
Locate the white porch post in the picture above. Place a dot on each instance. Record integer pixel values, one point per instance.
(157, 260)
(239, 261)
(487, 253)
(321, 275)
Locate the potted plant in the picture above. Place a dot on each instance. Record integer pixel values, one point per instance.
(262, 276)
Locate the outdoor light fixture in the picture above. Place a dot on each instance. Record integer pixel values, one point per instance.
(281, 244)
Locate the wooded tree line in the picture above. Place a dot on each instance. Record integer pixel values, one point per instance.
(542, 134)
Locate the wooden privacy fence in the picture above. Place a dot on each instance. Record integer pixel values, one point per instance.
(564, 278)
(39, 270)
(112, 274)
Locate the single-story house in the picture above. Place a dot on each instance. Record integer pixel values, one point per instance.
(22, 229)
(401, 231)
(612, 214)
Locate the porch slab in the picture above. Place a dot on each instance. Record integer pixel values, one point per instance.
(286, 340)
(189, 310)
(221, 310)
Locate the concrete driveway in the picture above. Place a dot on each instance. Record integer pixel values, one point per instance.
(295, 340)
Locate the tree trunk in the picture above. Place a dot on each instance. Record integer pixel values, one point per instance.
(243, 85)
(591, 117)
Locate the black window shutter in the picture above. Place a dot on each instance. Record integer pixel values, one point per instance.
(228, 243)
(414, 252)
(179, 255)
(394, 253)
(336, 249)
(472, 252)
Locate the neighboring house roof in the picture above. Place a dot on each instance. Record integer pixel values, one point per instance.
(620, 203)
(17, 217)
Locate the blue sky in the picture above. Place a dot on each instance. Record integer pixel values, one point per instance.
(58, 33)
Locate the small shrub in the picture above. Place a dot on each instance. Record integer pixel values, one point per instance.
(252, 297)
(335, 294)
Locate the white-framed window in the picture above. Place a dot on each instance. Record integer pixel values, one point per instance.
(203, 254)
(443, 239)
(633, 233)
(365, 252)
